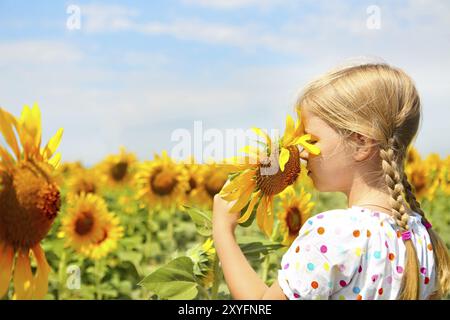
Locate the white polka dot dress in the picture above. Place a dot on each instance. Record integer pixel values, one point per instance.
(354, 254)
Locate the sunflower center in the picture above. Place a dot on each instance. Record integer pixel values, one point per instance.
(294, 220)
(215, 182)
(419, 181)
(86, 187)
(29, 203)
(84, 223)
(271, 184)
(119, 171)
(163, 182)
(192, 185)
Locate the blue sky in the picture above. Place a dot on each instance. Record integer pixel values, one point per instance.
(138, 70)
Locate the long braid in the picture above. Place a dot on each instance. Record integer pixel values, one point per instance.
(394, 181)
(441, 257)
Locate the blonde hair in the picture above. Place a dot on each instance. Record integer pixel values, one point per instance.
(381, 102)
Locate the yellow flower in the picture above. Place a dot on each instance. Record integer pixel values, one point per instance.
(88, 226)
(196, 193)
(444, 176)
(203, 256)
(412, 155)
(266, 172)
(84, 180)
(162, 183)
(296, 210)
(29, 202)
(118, 169)
(419, 176)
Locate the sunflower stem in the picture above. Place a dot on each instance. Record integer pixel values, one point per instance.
(61, 275)
(97, 279)
(217, 278)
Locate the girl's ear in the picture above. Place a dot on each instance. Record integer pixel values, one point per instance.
(363, 147)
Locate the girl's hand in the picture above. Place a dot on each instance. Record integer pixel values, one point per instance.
(222, 219)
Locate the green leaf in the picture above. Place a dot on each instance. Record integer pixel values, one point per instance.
(174, 281)
(202, 220)
(255, 251)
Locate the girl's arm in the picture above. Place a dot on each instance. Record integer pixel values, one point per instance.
(242, 280)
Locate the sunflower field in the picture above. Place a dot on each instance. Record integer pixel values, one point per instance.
(131, 229)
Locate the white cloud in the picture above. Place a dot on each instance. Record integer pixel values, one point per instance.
(234, 4)
(38, 52)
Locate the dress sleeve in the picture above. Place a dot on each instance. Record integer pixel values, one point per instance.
(320, 261)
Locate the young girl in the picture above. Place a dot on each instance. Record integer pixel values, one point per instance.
(363, 118)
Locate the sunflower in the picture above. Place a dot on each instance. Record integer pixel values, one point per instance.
(444, 176)
(84, 180)
(266, 172)
(296, 210)
(203, 256)
(196, 193)
(118, 169)
(412, 155)
(162, 183)
(29, 202)
(89, 228)
(418, 174)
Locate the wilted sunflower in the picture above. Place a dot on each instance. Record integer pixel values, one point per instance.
(118, 169)
(266, 172)
(89, 227)
(162, 183)
(29, 202)
(296, 210)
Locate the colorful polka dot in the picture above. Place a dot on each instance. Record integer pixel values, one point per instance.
(399, 234)
(381, 223)
(341, 268)
(310, 222)
(342, 283)
(360, 269)
(430, 247)
(389, 280)
(320, 216)
(323, 249)
(391, 256)
(399, 269)
(297, 249)
(330, 284)
(286, 266)
(374, 278)
(380, 291)
(296, 295)
(377, 254)
(356, 290)
(358, 252)
(341, 297)
(386, 244)
(314, 284)
(320, 230)
(423, 270)
(297, 266)
(356, 233)
(310, 266)
(358, 297)
(326, 266)
(368, 234)
(427, 280)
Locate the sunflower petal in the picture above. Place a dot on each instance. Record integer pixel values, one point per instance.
(249, 210)
(261, 133)
(243, 199)
(269, 217)
(8, 133)
(284, 158)
(261, 212)
(289, 131)
(6, 262)
(40, 282)
(53, 144)
(55, 160)
(22, 276)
